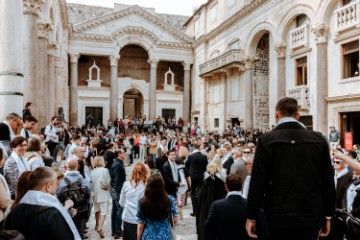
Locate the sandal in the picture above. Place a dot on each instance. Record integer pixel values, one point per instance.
(101, 233)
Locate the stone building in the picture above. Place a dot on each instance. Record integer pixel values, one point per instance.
(250, 53)
(228, 63)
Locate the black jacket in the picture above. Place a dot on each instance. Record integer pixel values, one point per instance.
(170, 185)
(160, 162)
(227, 164)
(117, 174)
(342, 186)
(293, 174)
(196, 164)
(48, 224)
(227, 218)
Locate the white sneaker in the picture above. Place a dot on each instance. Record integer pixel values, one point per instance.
(181, 223)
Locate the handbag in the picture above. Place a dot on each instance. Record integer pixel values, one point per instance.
(103, 183)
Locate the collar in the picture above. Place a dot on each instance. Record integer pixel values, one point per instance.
(234, 193)
(289, 119)
(342, 173)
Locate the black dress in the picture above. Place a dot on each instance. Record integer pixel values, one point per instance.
(211, 190)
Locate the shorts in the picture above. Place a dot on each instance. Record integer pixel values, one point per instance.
(101, 206)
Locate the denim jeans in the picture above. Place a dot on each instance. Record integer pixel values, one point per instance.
(116, 212)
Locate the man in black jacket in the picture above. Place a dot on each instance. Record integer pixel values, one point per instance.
(170, 174)
(196, 165)
(118, 177)
(292, 174)
(226, 218)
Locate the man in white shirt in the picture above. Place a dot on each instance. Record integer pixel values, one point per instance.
(143, 146)
(29, 124)
(52, 132)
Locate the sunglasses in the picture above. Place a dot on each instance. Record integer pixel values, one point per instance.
(337, 162)
(247, 152)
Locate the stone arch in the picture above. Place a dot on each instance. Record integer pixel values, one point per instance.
(136, 87)
(286, 21)
(326, 10)
(255, 35)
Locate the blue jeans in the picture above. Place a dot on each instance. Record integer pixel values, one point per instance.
(116, 212)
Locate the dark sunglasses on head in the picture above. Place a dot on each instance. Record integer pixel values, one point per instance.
(247, 152)
(336, 162)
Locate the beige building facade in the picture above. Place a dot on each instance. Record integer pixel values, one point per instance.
(227, 64)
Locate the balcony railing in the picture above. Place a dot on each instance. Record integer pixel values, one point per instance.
(299, 37)
(301, 94)
(233, 56)
(347, 16)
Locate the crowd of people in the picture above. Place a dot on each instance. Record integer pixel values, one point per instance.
(243, 184)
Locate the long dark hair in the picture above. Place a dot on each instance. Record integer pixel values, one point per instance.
(156, 203)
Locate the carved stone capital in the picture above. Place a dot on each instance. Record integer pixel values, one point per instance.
(44, 28)
(52, 48)
(153, 62)
(186, 66)
(321, 31)
(114, 59)
(249, 62)
(32, 6)
(280, 48)
(74, 57)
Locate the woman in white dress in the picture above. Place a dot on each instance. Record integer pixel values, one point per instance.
(100, 177)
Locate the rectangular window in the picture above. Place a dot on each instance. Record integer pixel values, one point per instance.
(216, 122)
(351, 59)
(301, 71)
(235, 89)
(216, 93)
(213, 13)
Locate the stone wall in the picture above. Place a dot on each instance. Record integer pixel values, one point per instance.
(133, 63)
(85, 62)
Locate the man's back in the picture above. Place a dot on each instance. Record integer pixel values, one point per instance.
(37, 222)
(227, 218)
(196, 164)
(292, 167)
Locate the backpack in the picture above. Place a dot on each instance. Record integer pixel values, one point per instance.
(79, 194)
(42, 130)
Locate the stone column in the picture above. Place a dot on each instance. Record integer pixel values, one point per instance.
(321, 121)
(204, 104)
(152, 89)
(12, 58)
(31, 10)
(43, 85)
(114, 96)
(186, 101)
(280, 48)
(52, 47)
(225, 96)
(248, 87)
(74, 89)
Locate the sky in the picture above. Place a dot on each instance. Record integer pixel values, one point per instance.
(183, 7)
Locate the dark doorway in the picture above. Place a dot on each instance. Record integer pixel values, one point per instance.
(307, 120)
(133, 104)
(235, 121)
(94, 116)
(166, 113)
(350, 122)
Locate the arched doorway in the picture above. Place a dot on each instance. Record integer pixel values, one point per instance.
(133, 103)
(261, 83)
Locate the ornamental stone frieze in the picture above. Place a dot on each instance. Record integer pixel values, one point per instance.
(32, 6)
(134, 10)
(44, 28)
(321, 31)
(135, 30)
(280, 48)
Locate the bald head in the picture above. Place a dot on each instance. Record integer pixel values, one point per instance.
(72, 164)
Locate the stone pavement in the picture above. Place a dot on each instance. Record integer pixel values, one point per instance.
(187, 232)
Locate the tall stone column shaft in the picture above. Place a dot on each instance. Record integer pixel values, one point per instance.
(74, 89)
(225, 95)
(42, 82)
(281, 57)
(51, 79)
(31, 10)
(248, 86)
(12, 58)
(152, 89)
(186, 100)
(114, 90)
(321, 33)
(204, 104)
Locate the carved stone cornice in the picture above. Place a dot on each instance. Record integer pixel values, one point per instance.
(280, 48)
(174, 45)
(321, 31)
(242, 13)
(44, 28)
(52, 48)
(135, 30)
(114, 59)
(186, 65)
(74, 57)
(32, 6)
(133, 10)
(153, 62)
(92, 37)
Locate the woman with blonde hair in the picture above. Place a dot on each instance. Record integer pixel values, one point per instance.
(183, 152)
(100, 178)
(131, 193)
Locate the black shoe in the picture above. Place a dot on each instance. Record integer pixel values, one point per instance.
(118, 235)
(193, 214)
